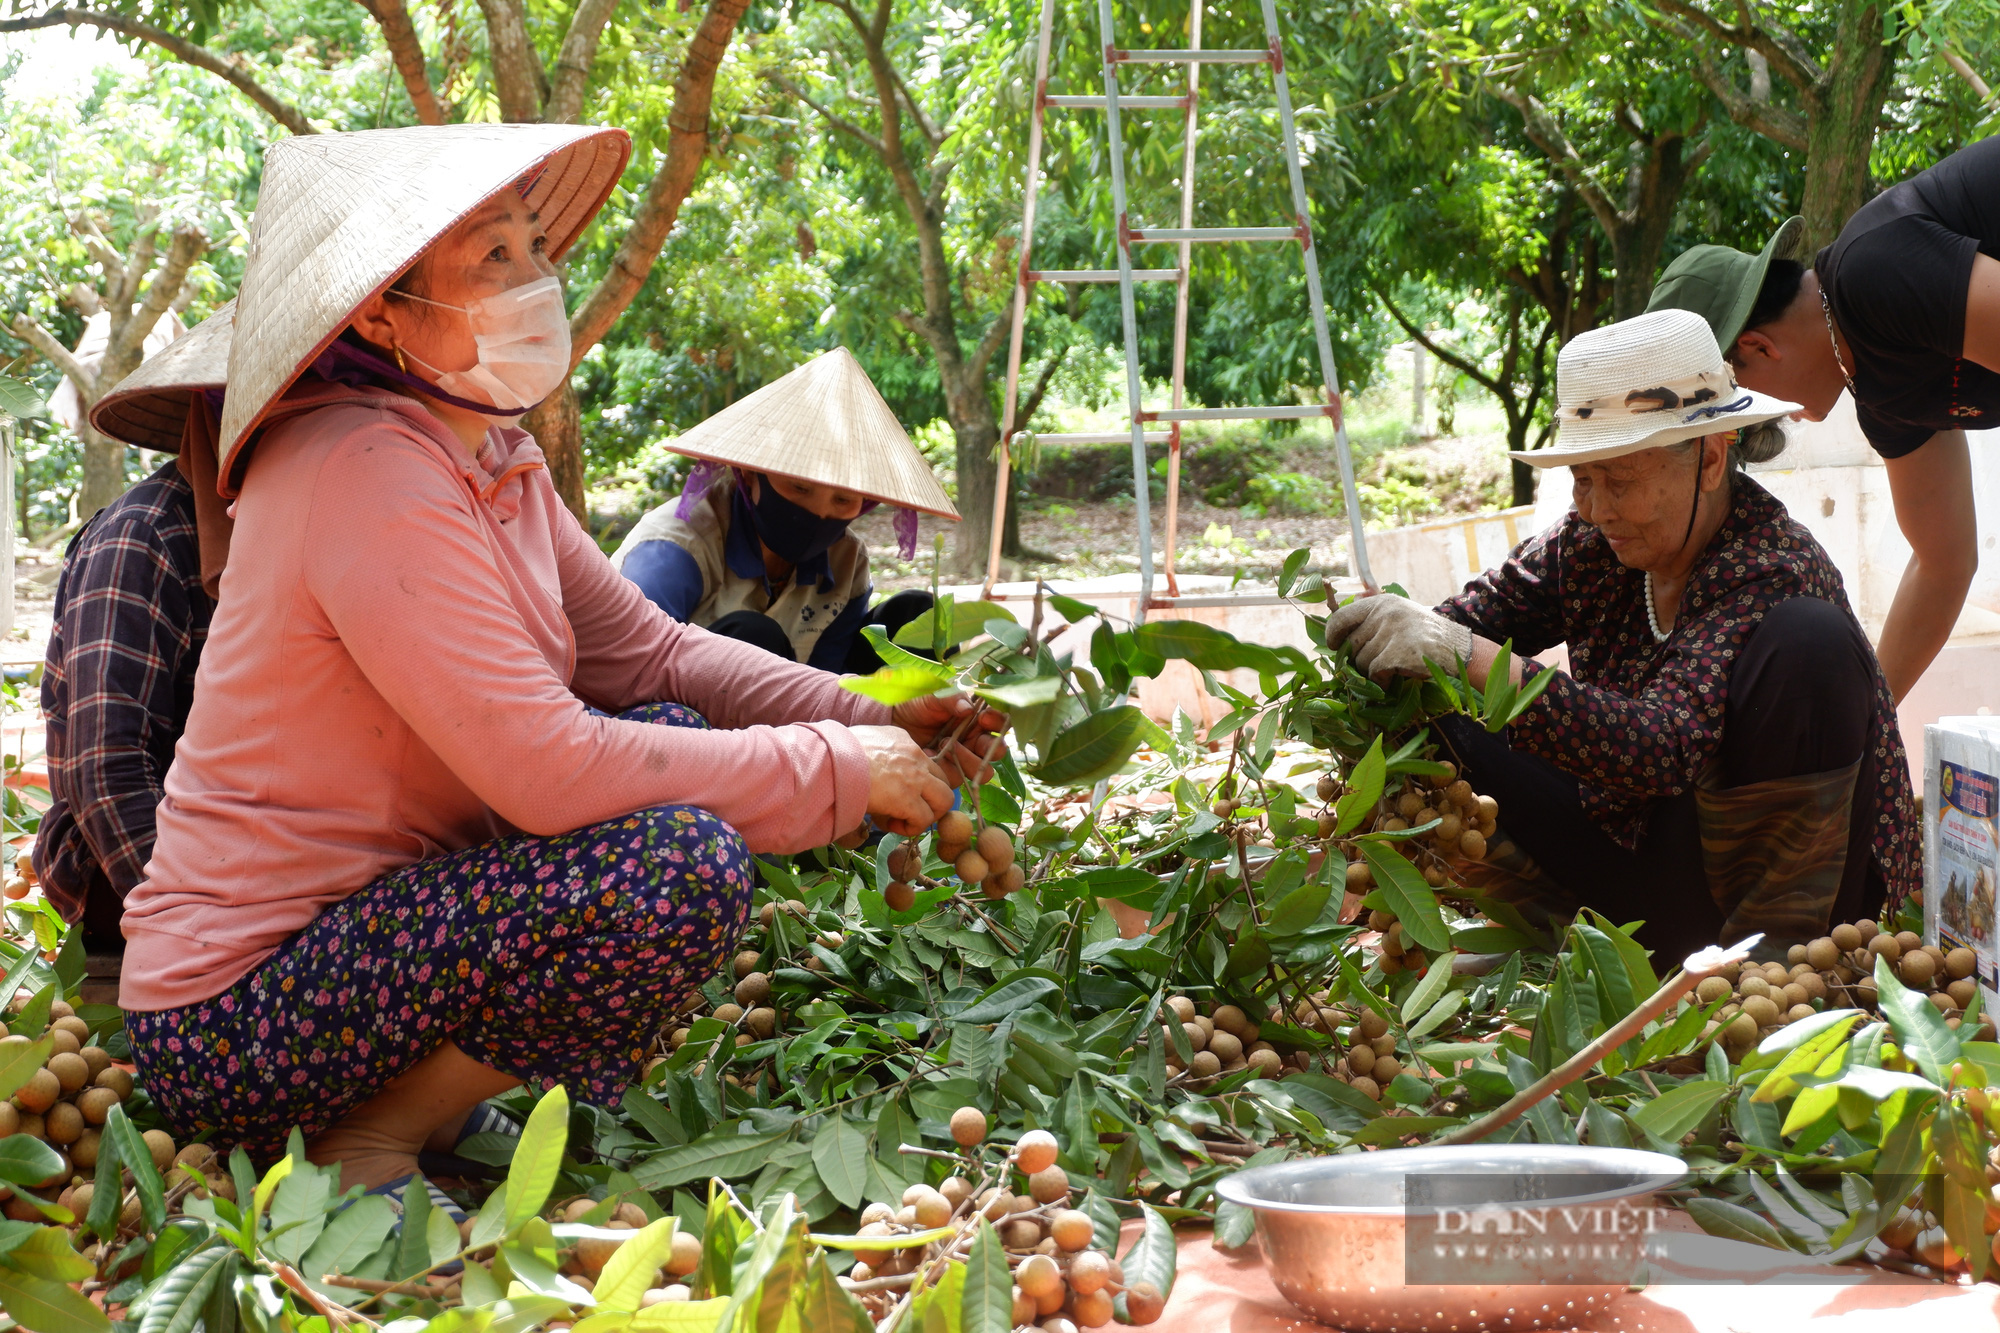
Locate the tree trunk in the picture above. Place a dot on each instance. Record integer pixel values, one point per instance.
(1841, 132)
(103, 471)
(1642, 231)
(558, 428)
(1524, 483)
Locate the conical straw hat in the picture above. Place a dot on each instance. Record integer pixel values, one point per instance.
(341, 216)
(149, 407)
(826, 423)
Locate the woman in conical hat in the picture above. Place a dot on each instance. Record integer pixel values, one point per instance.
(1721, 758)
(757, 546)
(447, 816)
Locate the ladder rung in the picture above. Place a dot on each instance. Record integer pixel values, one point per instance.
(1290, 412)
(1080, 103)
(1209, 57)
(1100, 437)
(1102, 275)
(1166, 234)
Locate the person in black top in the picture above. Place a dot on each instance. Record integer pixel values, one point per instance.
(1903, 311)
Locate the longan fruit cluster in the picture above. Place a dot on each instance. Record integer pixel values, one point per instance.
(585, 1260)
(1835, 971)
(65, 1104)
(1466, 823)
(1221, 1039)
(1062, 1283)
(982, 856)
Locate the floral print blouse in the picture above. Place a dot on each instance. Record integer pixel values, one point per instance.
(1635, 721)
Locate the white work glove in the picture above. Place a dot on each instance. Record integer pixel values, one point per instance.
(1393, 635)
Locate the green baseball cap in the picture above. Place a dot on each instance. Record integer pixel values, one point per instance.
(1721, 284)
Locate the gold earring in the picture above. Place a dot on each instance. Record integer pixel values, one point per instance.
(397, 350)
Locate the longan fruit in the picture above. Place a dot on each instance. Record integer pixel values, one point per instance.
(753, 989)
(1011, 880)
(71, 1072)
(1021, 1233)
(1796, 954)
(10, 1121)
(1408, 805)
(877, 1212)
(1750, 986)
(744, 964)
(1761, 1010)
(1226, 1047)
(1916, 968)
(1449, 830)
(898, 896)
(1908, 940)
(1959, 963)
(1791, 996)
(31, 1125)
(971, 867)
(956, 1190)
(1846, 938)
(1360, 878)
(1366, 1086)
(1472, 845)
(1204, 1065)
(1092, 1311)
(1868, 931)
(1036, 1151)
(97, 1058)
(1088, 1272)
(1327, 787)
(1942, 1002)
(95, 1104)
(1711, 989)
(1361, 1059)
(761, 1022)
(1143, 1303)
(1741, 1031)
(1813, 984)
(1962, 991)
(994, 844)
(1182, 1007)
(1373, 1025)
(933, 1210)
(995, 1204)
(1385, 1070)
(1230, 1019)
(63, 1043)
(1799, 1011)
(1039, 1276)
(161, 1145)
(994, 887)
(73, 1025)
(1072, 1229)
(968, 1124)
(1197, 1035)
(1384, 1045)
(1885, 946)
(39, 1093)
(728, 1013)
(955, 827)
(63, 1124)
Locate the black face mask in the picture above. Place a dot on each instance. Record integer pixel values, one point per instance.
(794, 533)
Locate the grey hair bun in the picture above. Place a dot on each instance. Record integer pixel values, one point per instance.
(1758, 444)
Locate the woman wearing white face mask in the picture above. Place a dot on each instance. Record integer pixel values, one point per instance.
(449, 814)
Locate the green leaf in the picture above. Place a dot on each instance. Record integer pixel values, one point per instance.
(630, 1270)
(47, 1252)
(1734, 1222)
(892, 685)
(825, 1306)
(1152, 1256)
(538, 1158)
(1364, 789)
(840, 1155)
(1250, 955)
(1097, 747)
(721, 1233)
(1009, 995)
(684, 1316)
(1070, 609)
(1299, 909)
(1202, 645)
(1426, 992)
(1288, 573)
(1674, 1113)
(25, 1160)
(1919, 1028)
(413, 1244)
(52, 1307)
(1022, 694)
(940, 1308)
(175, 1304)
(1412, 900)
(350, 1236)
(722, 1152)
(966, 620)
(20, 1059)
(988, 1302)
(18, 399)
(771, 1256)
(908, 1240)
(138, 1159)
(269, 1186)
(298, 1213)
(1808, 1053)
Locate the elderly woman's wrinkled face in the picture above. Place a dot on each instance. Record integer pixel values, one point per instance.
(1642, 502)
(499, 247)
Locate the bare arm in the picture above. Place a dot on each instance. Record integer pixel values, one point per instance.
(1982, 313)
(1483, 653)
(1932, 490)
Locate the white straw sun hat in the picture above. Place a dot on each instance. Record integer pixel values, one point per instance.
(341, 216)
(1652, 380)
(825, 423)
(149, 407)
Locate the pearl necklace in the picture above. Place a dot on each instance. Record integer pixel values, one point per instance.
(1652, 616)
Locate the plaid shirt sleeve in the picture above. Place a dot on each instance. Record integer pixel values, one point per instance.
(126, 627)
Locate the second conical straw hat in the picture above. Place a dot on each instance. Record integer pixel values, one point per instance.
(827, 423)
(340, 216)
(149, 407)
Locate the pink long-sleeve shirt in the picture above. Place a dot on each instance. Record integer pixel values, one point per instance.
(399, 666)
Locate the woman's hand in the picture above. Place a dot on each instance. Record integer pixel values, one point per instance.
(1393, 635)
(935, 716)
(906, 792)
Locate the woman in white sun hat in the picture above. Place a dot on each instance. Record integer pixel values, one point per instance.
(757, 546)
(1722, 755)
(447, 816)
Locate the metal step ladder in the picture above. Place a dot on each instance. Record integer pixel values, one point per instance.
(1185, 236)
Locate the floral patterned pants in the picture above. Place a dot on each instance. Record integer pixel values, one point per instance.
(555, 959)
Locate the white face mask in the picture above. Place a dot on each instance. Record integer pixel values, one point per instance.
(523, 339)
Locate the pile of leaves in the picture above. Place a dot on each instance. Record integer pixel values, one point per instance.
(1227, 948)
